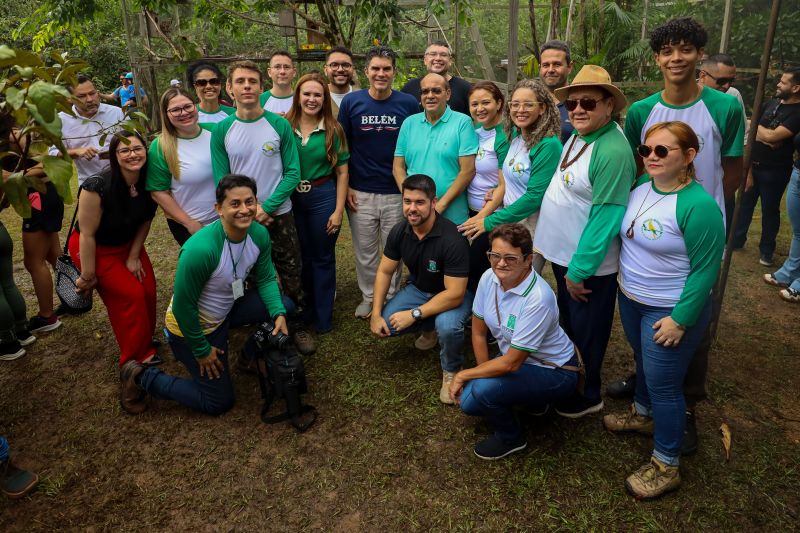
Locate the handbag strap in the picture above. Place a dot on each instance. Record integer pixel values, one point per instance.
(72, 224)
(580, 369)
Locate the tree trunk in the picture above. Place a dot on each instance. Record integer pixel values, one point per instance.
(534, 36)
(568, 31)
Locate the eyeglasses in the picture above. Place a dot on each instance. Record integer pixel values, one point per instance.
(527, 106)
(588, 104)
(282, 67)
(510, 259)
(660, 150)
(203, 83)
(720, 81)
(337, 66)
(125, 152)
(434, 90)
(178, 111)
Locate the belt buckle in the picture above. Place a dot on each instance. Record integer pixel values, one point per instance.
(303, 186)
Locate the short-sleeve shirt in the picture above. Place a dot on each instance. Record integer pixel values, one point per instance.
(194, 190)
(277, 104)
(442, 252)
(777, 113)
(716, 119)
(434, 150)
(492, 150)
(212, 118)
(371, 127)
(314, 162)
(125, 94)
(459, 93)
(528, 318)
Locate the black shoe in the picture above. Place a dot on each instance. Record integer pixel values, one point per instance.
(690, 440)
(766, 260)
(25, 337)
(11, 350)
(623, 388)
(492, 448)
(578, 406)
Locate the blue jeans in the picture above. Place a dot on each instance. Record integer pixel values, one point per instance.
(768, 184)
(661, 371)
(449, 325)
(530, 386)
(312, 210)
(210, 396)
(789, 273)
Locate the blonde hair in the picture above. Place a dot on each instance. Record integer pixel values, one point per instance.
(548, 123)
(168, 139)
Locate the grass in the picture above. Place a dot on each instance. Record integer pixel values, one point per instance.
(385, 455)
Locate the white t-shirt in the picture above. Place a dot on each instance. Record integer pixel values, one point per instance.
(528, 318)
(492, 150)
(337, 98)
(277, 104)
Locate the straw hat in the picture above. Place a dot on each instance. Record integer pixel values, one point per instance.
(594, 76)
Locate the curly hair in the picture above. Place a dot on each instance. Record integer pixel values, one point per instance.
(676, 31)
(548, 123)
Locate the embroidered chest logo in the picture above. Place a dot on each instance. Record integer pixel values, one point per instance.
(432, 265)
(511, 322)
(269, 149)
(652, 229)
(481, 154)
(568, 179)
(517, 168)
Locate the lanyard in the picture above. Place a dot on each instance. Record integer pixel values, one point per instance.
(236, 261)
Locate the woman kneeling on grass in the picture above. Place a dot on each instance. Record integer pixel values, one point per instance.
(672, 241)
(537, 363)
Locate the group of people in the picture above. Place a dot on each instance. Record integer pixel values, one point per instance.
(471, 190)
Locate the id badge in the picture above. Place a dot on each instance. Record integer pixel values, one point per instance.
(238, 288)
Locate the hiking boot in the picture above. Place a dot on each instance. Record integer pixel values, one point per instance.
(40, 324)
(131, 396)
(578, 406)
(304, 341)
(766, 260)
(623, 388)
(653, 480)
(629, 421)
(426, 341)
(493, 448)
(690, 440)
(25, 337)
(364, 309)
(11, 350)
(15, 482)
(791, 295)
(444, 392)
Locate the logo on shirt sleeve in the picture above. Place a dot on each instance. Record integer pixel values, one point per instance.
(511, 323)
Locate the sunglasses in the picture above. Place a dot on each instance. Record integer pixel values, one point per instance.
(720, 81)
(588, 104)
(510, 259)
(660, 150)
(434, 90)
(203, 83)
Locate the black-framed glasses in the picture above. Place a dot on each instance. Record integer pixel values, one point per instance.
(126, 151)
(178, 111)
(660, 150)
(719, 81)
(337, 66)
(212, 81)
(588, 104)
(510, 259)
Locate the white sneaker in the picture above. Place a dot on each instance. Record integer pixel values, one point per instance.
(364, 309)
(444, 392)
(426, 341)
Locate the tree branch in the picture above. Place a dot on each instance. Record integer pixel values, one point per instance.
(175, 50)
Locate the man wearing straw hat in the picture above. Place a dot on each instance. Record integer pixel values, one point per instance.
(579, 221)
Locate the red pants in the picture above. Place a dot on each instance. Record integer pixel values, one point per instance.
(131, 304)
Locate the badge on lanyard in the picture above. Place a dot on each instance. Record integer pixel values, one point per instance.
(238, 288)
(237, 285)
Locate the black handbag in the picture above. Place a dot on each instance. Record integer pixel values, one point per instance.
(67, 274)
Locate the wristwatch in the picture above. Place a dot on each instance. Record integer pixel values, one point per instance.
(416, 313)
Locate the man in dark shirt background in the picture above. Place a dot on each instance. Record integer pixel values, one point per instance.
(439, 60)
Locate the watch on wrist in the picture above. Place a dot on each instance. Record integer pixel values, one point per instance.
(416, 313)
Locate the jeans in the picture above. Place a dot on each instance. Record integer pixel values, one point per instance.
(210, 396)
(588, 324)
(530, 386)
(449, 324)
(312, 210)
(789, 273)
(768, 184)
(661, 371)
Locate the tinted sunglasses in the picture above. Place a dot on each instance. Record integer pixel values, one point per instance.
(660, 150)
(720, 81)
(588, 104)
(203, 83)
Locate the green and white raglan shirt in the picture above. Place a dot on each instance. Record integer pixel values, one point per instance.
(203, 295)
(276, 104)
(672, 260)
(195, 190)
(492, 150)
(263, 149)
(584, 204)
(212, 118)
(716, 119)
(527, 175)
(528, 318)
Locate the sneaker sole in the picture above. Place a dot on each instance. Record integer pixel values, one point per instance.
(648, 432)
(770, 280)
(646, 498)
(509, 452)
(766, 263)
(46, 328)
(12, 356)
(789, 298)
(23, 491)
(588, 411)
(26, 342)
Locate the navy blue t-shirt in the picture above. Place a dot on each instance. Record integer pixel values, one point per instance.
(566, 125)
(372, 127)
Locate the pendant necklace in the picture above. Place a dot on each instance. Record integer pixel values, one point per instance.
(132, 190)
(629, 233)
(519, 151)
(566, 162)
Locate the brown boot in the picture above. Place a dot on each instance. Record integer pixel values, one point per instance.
(629, 421)
(653, 480)
(131, 396)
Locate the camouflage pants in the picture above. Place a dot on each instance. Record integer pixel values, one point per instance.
(286, 257)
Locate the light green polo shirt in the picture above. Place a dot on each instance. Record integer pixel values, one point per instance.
(434, 150)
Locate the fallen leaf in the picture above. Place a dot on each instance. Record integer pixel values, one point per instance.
(98, 335)
(726, 440)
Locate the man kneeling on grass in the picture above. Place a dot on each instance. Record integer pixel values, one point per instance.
(209, 299)
(436, 299)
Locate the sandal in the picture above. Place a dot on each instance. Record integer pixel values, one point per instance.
(791, 295)
(769, 279)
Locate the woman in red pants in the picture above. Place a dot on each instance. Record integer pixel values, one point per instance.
(114, 216)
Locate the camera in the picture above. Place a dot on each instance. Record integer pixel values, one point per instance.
(265, 340)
